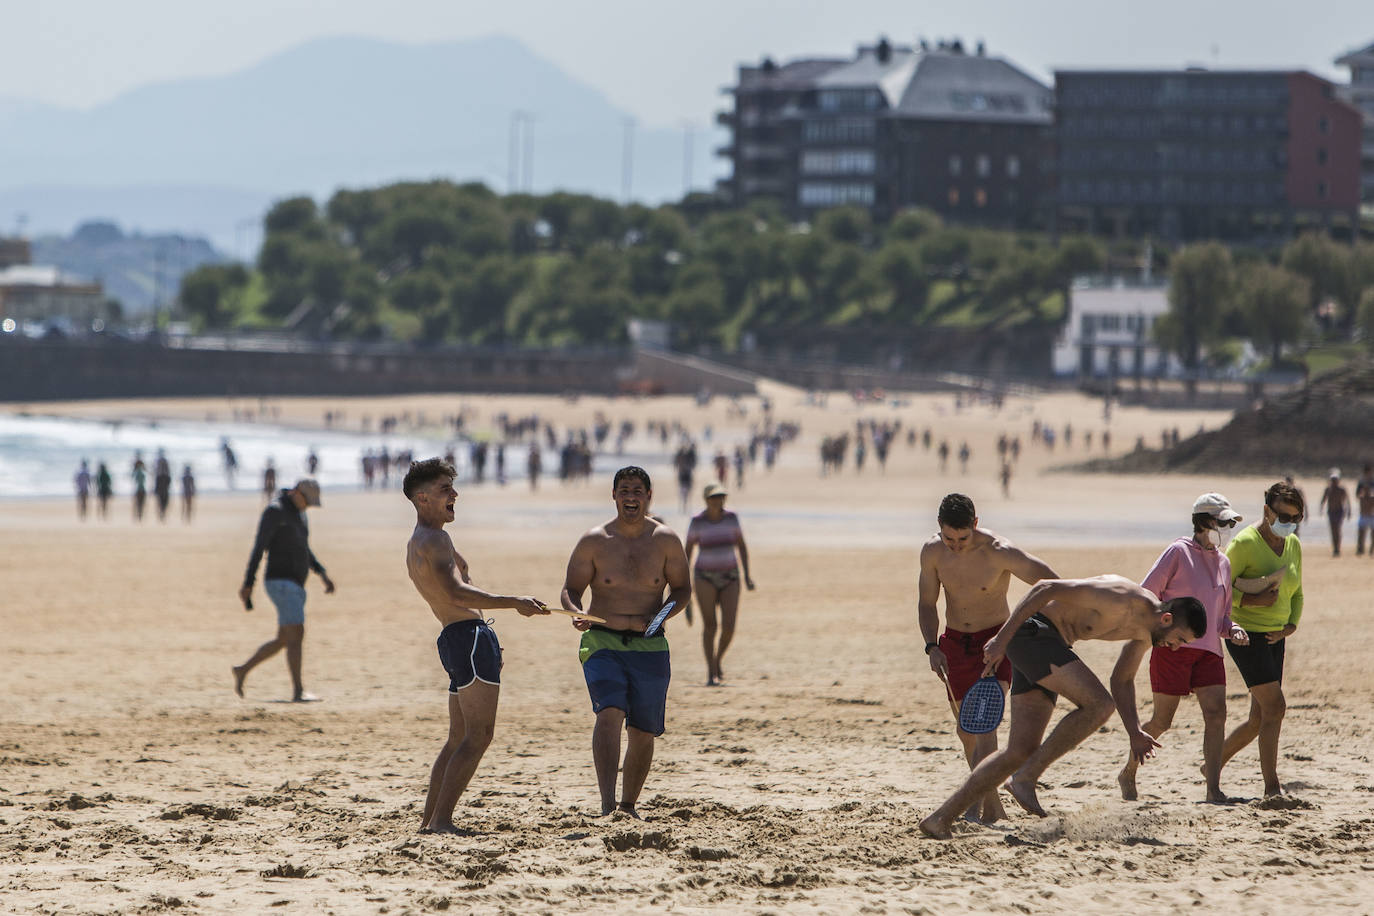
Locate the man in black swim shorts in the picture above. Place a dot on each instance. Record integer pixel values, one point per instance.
(1037, 637)
(467, 646)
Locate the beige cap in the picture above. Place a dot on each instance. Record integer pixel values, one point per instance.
(1217, 506)
(714, 489)
(309, 489)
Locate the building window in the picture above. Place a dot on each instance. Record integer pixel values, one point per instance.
(980, 198)
(956, 165)
(838, 130)
(984, 165)
(1013, 166)
(1324, 125)
(833, 194)
(838, 162)
(1321, 155)
(954, 197)
(1322, 190)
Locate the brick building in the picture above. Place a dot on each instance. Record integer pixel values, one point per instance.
(1189, 154)
(962, 133)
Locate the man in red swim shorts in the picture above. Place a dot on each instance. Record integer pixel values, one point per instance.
(975, 567)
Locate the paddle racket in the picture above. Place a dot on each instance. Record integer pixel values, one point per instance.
(981, 711)
(577, 615)
(654, 625)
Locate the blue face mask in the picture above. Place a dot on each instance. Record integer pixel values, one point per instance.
(1283, 529)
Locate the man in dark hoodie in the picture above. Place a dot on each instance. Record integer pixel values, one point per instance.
(283, 534)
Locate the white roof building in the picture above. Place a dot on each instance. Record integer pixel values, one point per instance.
(1110, 331)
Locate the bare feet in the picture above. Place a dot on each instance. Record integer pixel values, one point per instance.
(933, 827)
(992, 809)
(1271, 791)
(630, 810)
(304, 697)
(1218, 797)
(449, 828)
(239, 674)
(606, 809)
(712, 682)
(1024, 793)
(1126, 779)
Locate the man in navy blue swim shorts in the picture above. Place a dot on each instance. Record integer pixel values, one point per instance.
(628, 563)
(468, 648)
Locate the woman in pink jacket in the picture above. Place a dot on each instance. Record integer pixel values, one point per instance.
(1194, 567)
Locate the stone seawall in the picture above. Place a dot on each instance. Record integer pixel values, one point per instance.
(32, 370)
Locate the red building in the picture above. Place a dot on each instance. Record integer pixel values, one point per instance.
(1189, 154)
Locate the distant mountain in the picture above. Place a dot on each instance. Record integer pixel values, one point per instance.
(338, 112)
(138, 270)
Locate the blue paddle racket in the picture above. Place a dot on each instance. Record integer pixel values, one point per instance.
(654, 625)
(981, 710)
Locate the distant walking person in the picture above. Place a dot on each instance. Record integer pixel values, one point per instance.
(104, 488)
(188, 493)
(83, 489)
(534, 463)
(140, 475)
(1336, 502)
(716, 535)
(284, 536)
(269, 480)
(231, 462)
(162, 484)
(1364, 495)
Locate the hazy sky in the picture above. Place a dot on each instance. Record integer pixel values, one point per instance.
(663, 61)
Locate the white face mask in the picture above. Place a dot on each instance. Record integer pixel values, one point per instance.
(1212, 536)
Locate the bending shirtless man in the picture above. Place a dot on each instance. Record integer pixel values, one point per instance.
(1054, 615)
(467, 646)
(975, 567)
(627, 562)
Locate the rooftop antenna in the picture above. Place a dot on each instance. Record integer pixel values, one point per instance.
(529, 153)
(688, 131)
(627, 162)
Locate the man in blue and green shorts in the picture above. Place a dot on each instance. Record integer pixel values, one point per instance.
(628, 563)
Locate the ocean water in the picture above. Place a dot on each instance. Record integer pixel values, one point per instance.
(39, 455)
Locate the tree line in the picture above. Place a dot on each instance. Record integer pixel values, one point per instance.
(444, 262)
(438, 262)
(1312, 290)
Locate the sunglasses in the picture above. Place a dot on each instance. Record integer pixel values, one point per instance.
(1284, 518)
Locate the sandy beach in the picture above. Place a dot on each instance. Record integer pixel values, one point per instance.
(133, 780)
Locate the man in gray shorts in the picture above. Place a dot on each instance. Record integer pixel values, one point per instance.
(1037, 637)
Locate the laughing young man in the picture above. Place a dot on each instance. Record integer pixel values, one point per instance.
(468, 647)
(628, 562)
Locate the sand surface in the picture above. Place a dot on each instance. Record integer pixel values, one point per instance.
(132, 780)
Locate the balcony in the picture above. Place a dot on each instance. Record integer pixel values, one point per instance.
(725, 118)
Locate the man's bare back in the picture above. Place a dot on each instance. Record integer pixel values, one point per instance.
(1102, 607)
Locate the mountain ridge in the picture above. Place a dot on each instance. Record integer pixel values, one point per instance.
(339, 112)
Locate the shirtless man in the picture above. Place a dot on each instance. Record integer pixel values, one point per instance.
(467, 646)
(975, 567)
(627, 562)
(1054, 615)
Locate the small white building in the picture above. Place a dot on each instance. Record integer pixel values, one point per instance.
(37, 293)
(1110, 331)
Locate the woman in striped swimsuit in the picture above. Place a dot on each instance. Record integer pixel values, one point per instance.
(716, 536)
